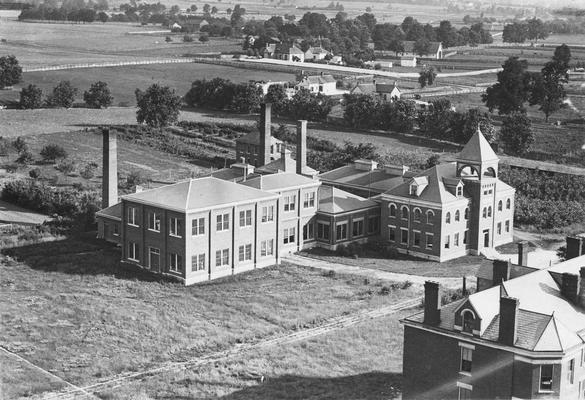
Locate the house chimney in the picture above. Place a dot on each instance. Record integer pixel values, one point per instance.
(109, 169)
(508, 320)
(265, 135)
(574, 246)
(523, 253)
(570, 284)
(301, 146)
(432, 314)
(501, 272)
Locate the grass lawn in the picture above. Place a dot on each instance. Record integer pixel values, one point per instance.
(72, 308)
(463, 266)
(359, 362)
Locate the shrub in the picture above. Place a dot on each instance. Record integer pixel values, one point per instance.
(98, 96)
(52, 152)
(20, 144)
(63, 95)
(66, 166)
(187, 38)
(135, 178)
(31, 97)
(88, 171)
(25, 158)
(35, 173)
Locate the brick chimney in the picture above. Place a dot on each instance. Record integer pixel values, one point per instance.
(501, 271)
(574, 246)
(265, 134)
(570, 284)
(523, 253)
(432, 314)
(301, 146)
(508, 320)
(110, 168)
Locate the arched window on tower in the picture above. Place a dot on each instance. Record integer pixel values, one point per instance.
(430, 217)
(417, 214)
(448, 218)
(457, 215)
(489, 211)
(484, 213)
(404, 212)
(500, 205)
(392, 210)
(508, 204)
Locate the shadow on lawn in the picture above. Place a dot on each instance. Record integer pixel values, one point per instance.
(81, 255)
(368, 386)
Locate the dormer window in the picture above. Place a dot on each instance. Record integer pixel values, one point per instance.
(468, 321)
(413, 190)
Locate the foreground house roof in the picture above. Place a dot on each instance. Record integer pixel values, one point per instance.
(196, 194)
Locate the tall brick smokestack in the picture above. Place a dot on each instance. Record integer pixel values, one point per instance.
(110, 168)
(508, 331)
(301, 146)
(265, 134)
(432, 314)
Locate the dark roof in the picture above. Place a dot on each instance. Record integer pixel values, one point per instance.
(531, 326)
(113, 212)
(435, 191)
(477, 149)
(408, 46)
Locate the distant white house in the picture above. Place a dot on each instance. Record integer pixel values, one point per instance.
(281, 51)
(325, 84)
(408, 61)
(336, 60)
(289, 91)
(385, 91)
(316, 54)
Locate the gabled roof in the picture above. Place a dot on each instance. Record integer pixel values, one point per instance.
(283, 48)
(254, 138)
(477, 150)
(112, 212)
(317, 50)
(336, 201)
(280, 182)
(364, 88)
(196, 194)
(318, 79)
(386, 87)
(408, 46)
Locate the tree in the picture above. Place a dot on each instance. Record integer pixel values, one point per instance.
(10, 71)
(247, 98)
(204, 38)
(474, 119)
(103, 17)
(307, 105)
(276, 95)
(562, 55)
(228, 11)
(427, 77)
(63, 95)
(511, 91)
(516, 32)
(193, 8)
(158, 106)
(360, 110)
(31, 97)
(20, 145)
(547, 89)
(516, 133)
(422, 47)
(536, 30)
(206, 8)
(98, 96)
(214, 10)
(53, 152)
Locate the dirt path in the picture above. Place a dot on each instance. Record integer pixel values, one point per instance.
(330, 326)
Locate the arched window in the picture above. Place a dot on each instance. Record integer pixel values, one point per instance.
(484, 212)
(404, 212)
(467, 213)
(392, 210)
(508, 204)
(430, 217)
(417, 214)
(448, 218)
(500, 205)
(489, 211)
(457, 215)
(468, 321)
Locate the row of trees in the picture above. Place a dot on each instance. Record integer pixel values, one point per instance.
(63, 95)
(535, 29)
(516, 85)
(222, 94)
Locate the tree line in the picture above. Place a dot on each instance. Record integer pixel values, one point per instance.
(535, 29)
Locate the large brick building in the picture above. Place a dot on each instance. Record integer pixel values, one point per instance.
(522, 339)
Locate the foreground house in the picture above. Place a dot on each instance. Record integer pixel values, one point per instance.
(521, 339)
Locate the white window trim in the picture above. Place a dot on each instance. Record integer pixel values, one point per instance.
(465, 385)
(414, 232)
(174, 256)
(198, 225)
(407, 236)
(175, 235)
(154, 221)
(134, 248)
(133, 223)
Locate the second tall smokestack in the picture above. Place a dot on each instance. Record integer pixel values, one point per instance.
(301, 146)
(265, 134)
(110, 168)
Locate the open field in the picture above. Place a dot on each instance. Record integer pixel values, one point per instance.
(463, 266)
(360, 362)
(70, 307)
(123, 81)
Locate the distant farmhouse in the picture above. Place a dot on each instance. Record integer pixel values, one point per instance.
(385, 91)
(284, 51)
(250, 215)
(435, 50)
(520, 339)
(316, 54)
(324, 84)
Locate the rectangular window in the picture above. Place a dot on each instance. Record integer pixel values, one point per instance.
(309, 200)
(322, 230)
(133, 253)
(373, 224)
(267, 248)
(267, 213)
(403, 235)
(198, 226)
(309, 231)
(241, 251)
(116, 230)
(429, 241)
(358, 228)
(249, 252)
(571, 371)
(417, 238)
(466, 359)
(289, 235)
(246, 218)
(132, 216)
(464, 393)
(198, 262)
(175, 227)
(222, 257)
(154, 222)
(175, 262)
(546, 377)
(447, 241)
(341, 231)
(289, 202)
(507, 226)
(223, 222)
(392, 233)
(245, 252)
(153, 257)
(465, 237)
(218, 258)
(499, 228)
(582, 389)
(456, 240)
